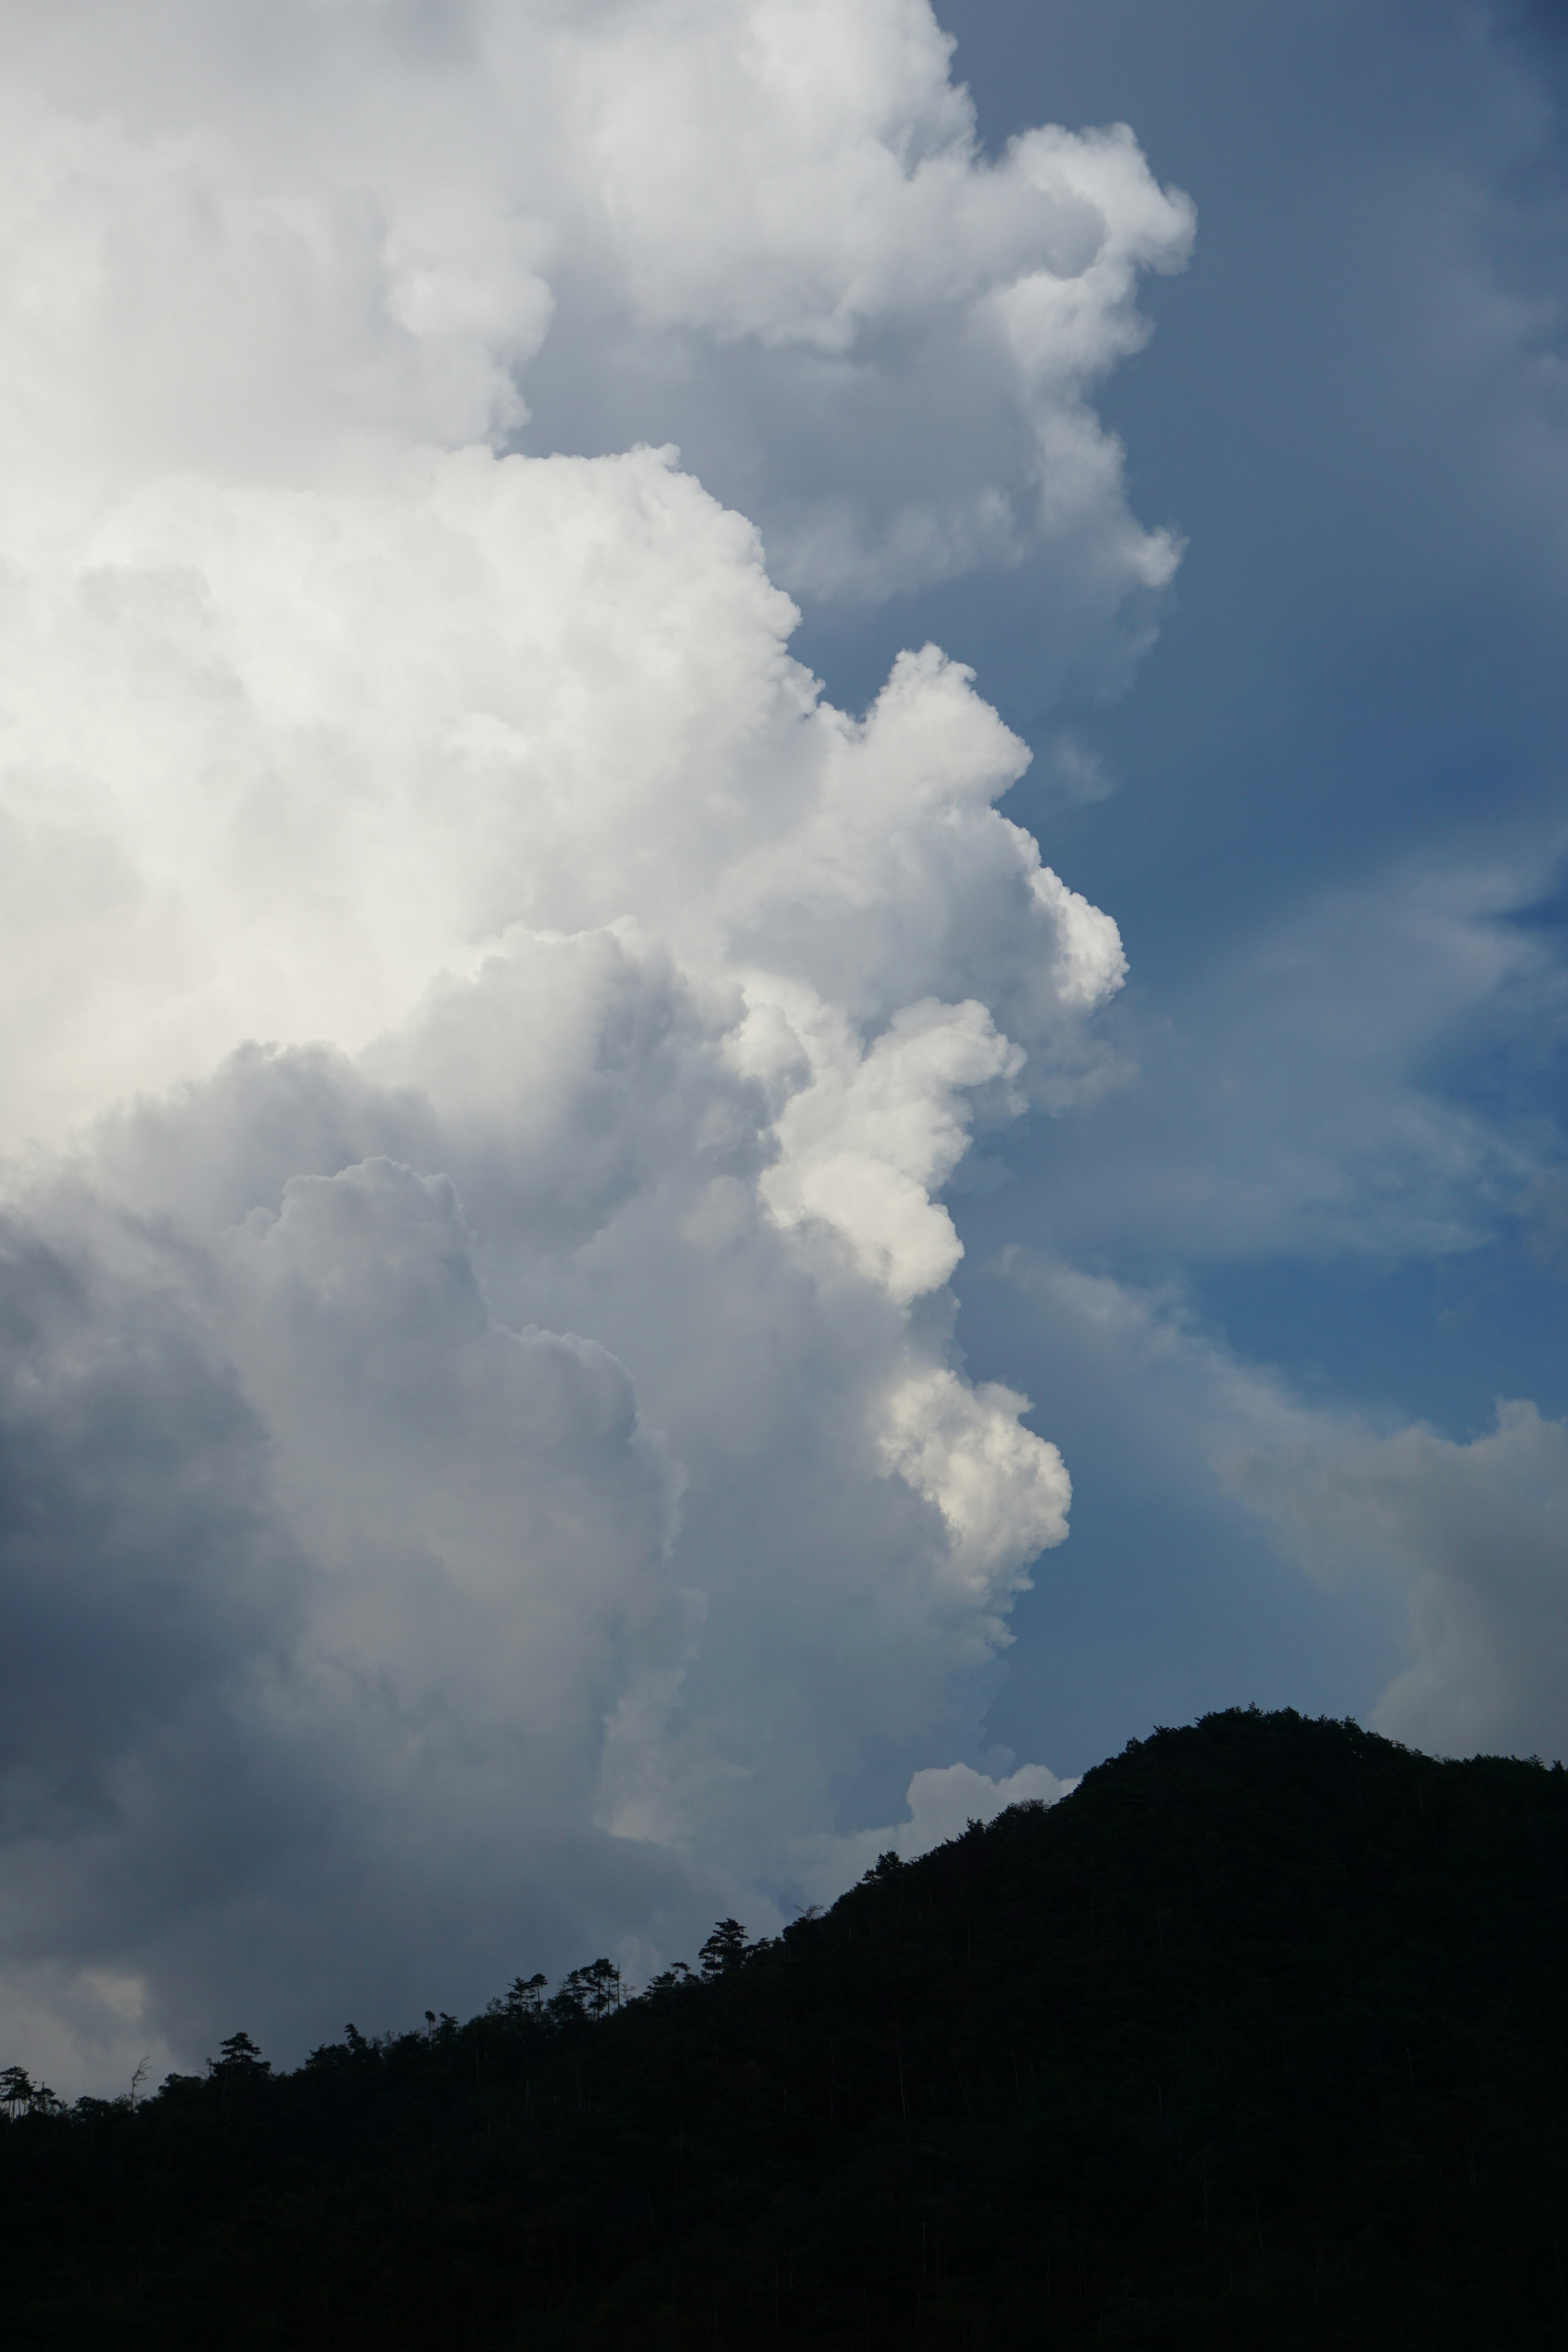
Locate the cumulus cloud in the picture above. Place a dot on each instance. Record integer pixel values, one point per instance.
(342, 742)
(486, 1459)
(765, 230)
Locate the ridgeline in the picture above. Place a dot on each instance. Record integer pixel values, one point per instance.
(1256, 2039)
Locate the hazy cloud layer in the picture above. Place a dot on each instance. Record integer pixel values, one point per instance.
(1478, 1534)
(486, 1459)
(1459, 1547)
(1313, 1093)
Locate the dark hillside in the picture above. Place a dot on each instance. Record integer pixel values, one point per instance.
(1258, 2040)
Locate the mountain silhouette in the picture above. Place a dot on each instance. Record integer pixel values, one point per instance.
(1257, 2039)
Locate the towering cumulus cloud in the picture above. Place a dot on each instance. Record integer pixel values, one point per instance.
(485, 1464)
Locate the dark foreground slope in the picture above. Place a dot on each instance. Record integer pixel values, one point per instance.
(1258, 2040)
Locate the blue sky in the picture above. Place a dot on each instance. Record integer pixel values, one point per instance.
(1352, 407)
(550, 1124)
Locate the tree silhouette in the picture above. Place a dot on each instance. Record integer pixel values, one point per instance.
(525, 1996)
(591, 1992)
(240, 2055)
(724, 1950)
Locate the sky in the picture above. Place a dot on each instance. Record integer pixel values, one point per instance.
(783, 953)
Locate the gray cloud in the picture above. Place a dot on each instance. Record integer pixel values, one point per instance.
(318, 1586)
(145, 1567)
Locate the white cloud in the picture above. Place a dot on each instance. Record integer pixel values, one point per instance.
(1002, 1493)
(342, 742)
(943, 1801)
(764, 229)
(489, 1463)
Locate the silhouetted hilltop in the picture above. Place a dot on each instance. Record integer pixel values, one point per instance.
(1256, 2039)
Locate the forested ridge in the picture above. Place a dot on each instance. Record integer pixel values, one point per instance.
(1258, 2039)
